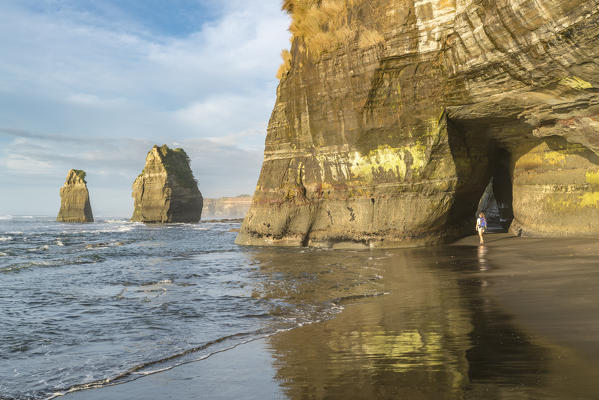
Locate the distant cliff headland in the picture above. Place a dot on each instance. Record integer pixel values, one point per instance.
(392, 117)
(226, 207)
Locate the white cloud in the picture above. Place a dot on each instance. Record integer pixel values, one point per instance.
(23, 164)
(62, 61)
(94, 94)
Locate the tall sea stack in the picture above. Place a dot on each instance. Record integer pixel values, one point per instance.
(166, 190)
(74, 199)
(392, 116)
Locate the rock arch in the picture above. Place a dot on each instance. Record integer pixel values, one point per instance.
(456, 92)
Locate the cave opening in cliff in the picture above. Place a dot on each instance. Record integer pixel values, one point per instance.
(496, 200)
(483, 157)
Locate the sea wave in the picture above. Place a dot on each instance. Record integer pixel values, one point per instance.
(120, 228)
(206, 350)
(164, 281)
(23, 266)
(169, 362)
(156, 286)
(5, 238)
(41, 248)
(116, 221)
(103, 245)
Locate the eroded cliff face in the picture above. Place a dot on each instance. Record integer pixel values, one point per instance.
(74, 199)
(393, 115)
(166, 190)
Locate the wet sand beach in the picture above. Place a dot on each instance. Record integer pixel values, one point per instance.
(515, 319)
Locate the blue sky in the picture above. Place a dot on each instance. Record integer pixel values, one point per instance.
(94, 84)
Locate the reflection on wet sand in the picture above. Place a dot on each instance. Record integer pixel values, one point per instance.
(482, 260)
(516, 319)
(305, 282)
(435, 335)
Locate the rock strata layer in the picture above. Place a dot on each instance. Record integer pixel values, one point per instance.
(392, 116)
(74, 199)
(166, 190)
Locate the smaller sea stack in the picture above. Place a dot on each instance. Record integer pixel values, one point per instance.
(166, 190)
(74, 199)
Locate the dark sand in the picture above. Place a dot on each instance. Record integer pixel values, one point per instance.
(515, 319)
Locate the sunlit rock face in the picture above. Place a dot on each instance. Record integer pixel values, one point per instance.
(166, 190)
(74, 199)
(393, 115)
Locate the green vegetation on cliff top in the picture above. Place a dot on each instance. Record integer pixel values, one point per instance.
(176, 162)
(80, 173)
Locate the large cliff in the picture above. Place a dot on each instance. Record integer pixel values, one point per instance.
(392, 116)
(166, 190)
(74, 199)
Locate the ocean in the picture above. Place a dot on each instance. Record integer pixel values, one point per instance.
(180, 311)
(87, 305)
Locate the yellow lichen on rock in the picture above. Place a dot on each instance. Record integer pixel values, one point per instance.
(541, 155)
(592, 178)
(590, 200)
(576, 83)
(388, 159)
(554, 157)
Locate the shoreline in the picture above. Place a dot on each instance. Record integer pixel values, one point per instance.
(512, 304)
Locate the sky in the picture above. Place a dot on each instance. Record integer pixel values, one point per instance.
(93, 85)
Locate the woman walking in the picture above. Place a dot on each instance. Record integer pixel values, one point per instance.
(481, 226)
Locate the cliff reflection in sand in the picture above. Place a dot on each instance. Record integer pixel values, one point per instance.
(434, 335)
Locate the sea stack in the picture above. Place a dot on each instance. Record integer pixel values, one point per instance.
(166, 190)
(74, 199)
(393, 116)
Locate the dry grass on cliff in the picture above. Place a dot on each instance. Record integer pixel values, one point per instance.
(369, 38)
(286, 66)
(324, 25)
